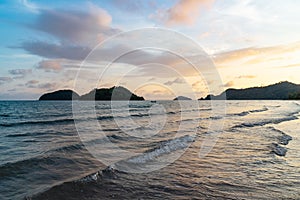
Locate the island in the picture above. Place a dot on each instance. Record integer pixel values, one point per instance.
(280, 91)
(294, 96)
(117, 93)
(181, 98)
(60, 95)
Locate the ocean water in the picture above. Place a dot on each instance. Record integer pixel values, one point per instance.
(49, 152)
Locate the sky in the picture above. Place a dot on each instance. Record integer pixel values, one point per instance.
(51, 45)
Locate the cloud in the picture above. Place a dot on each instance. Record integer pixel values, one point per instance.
(254, 55)
(197, 83)
(50, 65)
(58, 65)
(229, 84)
(76, 32)
(48, 50)
(184, 12)
(73, 26)
(32, 83)
(73, 52)
(48, 86)
(20, 73)
(134, 6)
(149, 63)
(151, 79)
(202, 86)
(5, 79)
(291, 65)
(18, 95)
(175, 81)
(166, 64)
(246, 76)
(30, 6)
(35, 84)
(235, 55)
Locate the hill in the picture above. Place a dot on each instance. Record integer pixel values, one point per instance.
(102, 94)
(60, 95)
(181, 98)
(279, 91)
(114, 93)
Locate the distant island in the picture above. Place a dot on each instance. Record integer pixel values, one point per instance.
(181, 98)
(116, 93)
(280, 91)
(60, 95)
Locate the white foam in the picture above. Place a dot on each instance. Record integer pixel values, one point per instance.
(164, 148)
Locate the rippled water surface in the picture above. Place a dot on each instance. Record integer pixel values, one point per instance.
(256, 155)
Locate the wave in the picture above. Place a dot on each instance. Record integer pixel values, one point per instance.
(109, 117)
(105, 117)
(283, 138)
(141, 115)
(172, 112)
(205, 109)
(24, 135)
(140, 105)
(278, 150)
(31, 140)
(111, 129)
(71, 147)
(297, 104)
(90, 178)
(11, 168)
(241, 114)
(215, 117)
(262, 123)
(116, 137)
(294, 112)
(259, 110)
(244, 113)
(109, 171)
(4, 115)
(81, 146)
(165, 147)
(33, 134)
(197, 109)
(68, 120)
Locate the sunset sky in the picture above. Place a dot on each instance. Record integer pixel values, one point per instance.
(251, 42)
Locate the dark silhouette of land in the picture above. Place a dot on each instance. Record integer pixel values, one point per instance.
(180, 98)
(114, 93)
(279, 91)
(103, 94)
(60, 95)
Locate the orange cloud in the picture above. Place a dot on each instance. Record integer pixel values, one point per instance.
(291, 65)
(184, 12)
(229, 84)
(246, 76)
(50, 65)
(255, 55)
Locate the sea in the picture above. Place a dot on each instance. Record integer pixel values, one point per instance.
(150, 150)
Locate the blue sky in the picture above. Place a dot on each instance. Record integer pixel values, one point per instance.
(252, 42)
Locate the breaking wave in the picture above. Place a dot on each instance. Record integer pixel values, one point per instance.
(57, 121)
